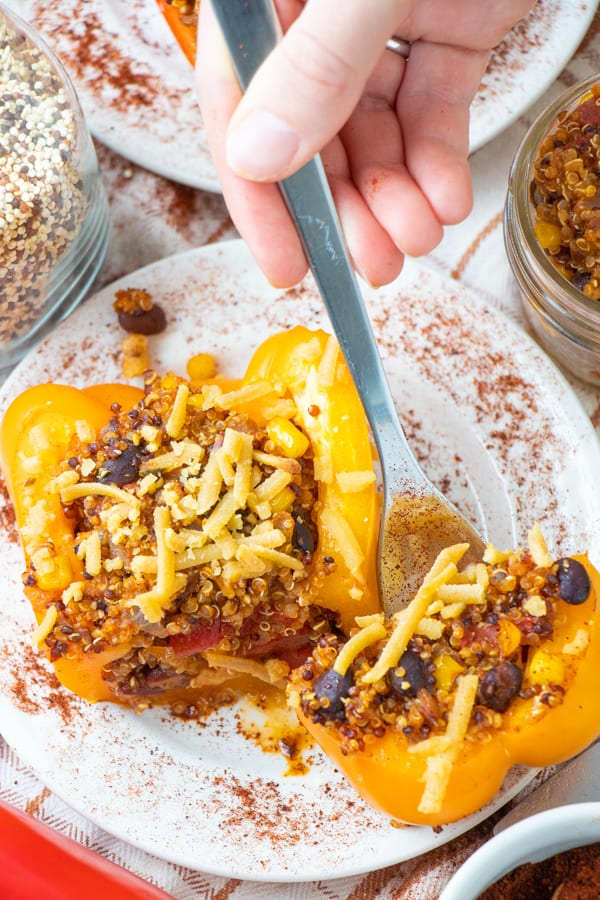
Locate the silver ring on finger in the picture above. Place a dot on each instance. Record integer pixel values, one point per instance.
(398, 45)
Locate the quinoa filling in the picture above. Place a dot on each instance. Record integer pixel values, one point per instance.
(565, 194)
(188, 10)
(485, 630)
(197, 538)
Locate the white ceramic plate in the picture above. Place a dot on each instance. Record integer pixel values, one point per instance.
(526, 63)
(137, 90)
(495, 425)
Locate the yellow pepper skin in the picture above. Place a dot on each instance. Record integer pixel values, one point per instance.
(544, 739)
(331, 415)
(38, 428)
(390, 777)
(36, 432)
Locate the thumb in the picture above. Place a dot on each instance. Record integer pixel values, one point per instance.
(308, 86)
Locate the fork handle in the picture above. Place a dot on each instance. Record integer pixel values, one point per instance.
(251, 31)
(310, 203)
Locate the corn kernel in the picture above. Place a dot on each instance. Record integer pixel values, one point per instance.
(447, 670)
(196, 401)
(59, 577)
(283, 500)
(548, 235)
(545, 668)
(201, 366)
(509, 638)
(287, 437)
(169, 381)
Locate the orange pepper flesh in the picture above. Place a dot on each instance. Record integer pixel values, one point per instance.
(329, 416)
(184, 32)
(389, 777)
(36, 434)
(41, 423)
(575, 723)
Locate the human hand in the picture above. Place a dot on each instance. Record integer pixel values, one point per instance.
(393, 135)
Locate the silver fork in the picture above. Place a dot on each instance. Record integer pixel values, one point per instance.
(417, 521)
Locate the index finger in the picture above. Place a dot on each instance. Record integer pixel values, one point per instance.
(257, 210)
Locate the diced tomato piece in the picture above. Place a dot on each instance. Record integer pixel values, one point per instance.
(588, 112)
(486, 634)
(532, 625)
(200, 637)
(293, 650)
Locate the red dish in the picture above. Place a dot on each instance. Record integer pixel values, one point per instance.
(37, 861)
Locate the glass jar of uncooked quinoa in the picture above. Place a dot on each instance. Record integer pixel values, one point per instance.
(53, 208)
(552, 228)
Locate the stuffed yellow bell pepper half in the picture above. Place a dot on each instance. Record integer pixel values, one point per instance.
(488, 666)
(194, 535)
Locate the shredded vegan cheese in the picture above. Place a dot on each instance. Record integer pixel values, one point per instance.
(538, 547)
(45, 627)
(353, 482)
(372, 630)
(263, 671)
(168, 582)
(344, 539)
(439, 765)
(245, 394)
(328, 363)
(407, 620)
(84, 488)
(176, 419)
(222, 512)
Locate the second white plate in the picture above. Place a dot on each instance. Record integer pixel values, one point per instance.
(137, 89)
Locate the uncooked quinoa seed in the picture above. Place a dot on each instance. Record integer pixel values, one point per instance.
(42, 202)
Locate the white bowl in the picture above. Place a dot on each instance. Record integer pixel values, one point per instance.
(530, 840)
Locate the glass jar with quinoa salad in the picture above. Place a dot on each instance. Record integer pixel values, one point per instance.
(552, 228)
(53, 208)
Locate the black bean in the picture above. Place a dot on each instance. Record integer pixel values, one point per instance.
(121, 469)
(499, 685)
(151, 321)
(580, 279)
(302, 536)
(574, 584)
(333, 687)
(410, 675)
(152, 681)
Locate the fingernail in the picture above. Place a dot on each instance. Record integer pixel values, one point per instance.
(261, 146)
